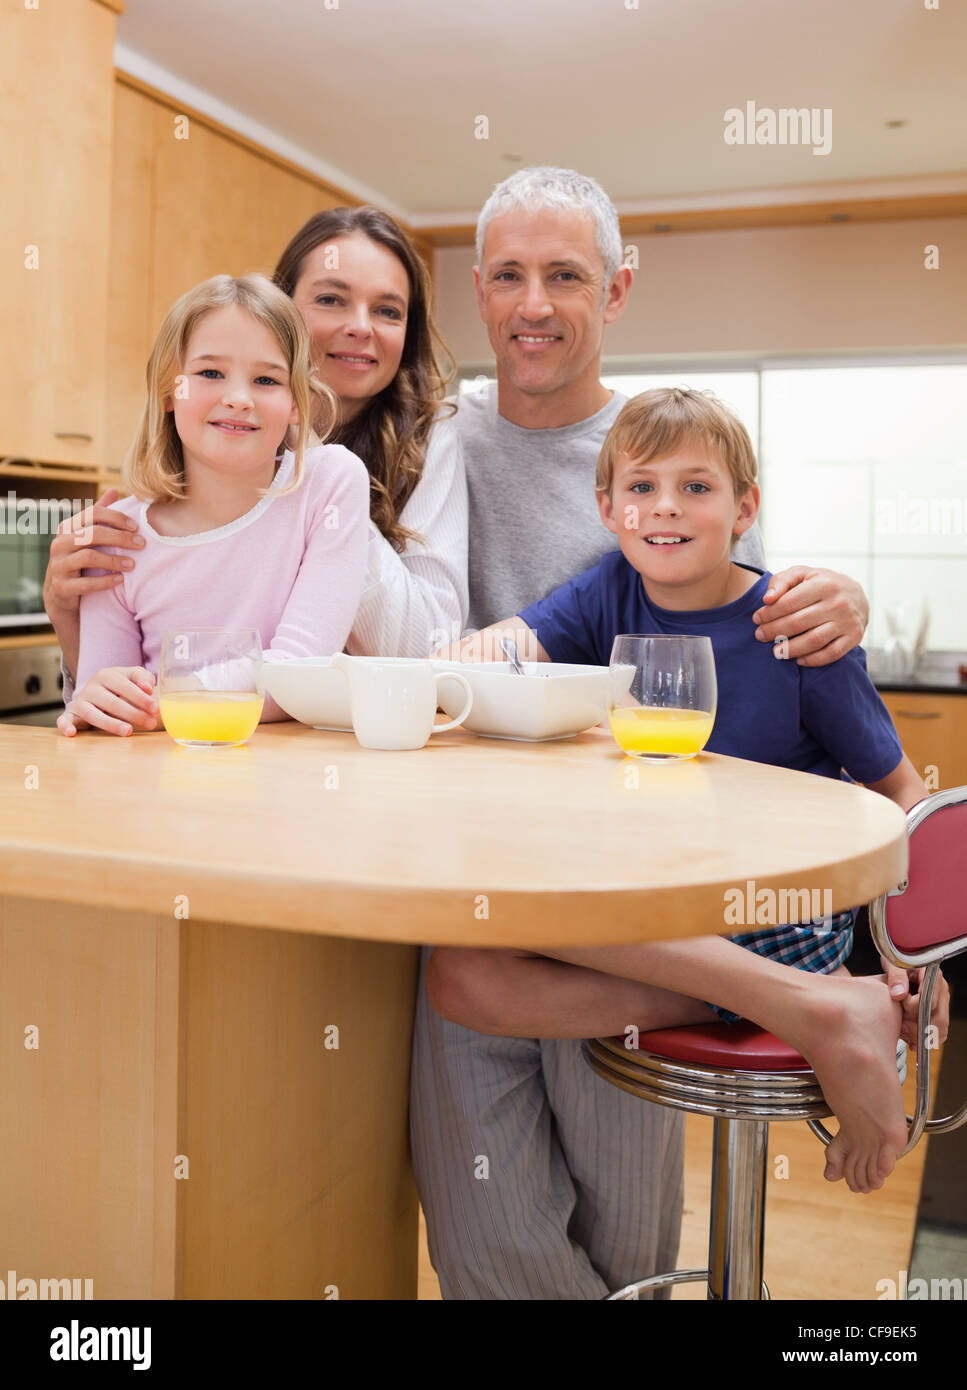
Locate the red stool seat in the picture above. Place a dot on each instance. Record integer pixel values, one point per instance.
(741, 1046)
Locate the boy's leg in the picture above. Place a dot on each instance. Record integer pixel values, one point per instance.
(846, 1028)
(508, 1235)
(512, 993)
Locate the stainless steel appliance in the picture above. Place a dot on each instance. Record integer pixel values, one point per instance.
(27, 527)
(30, 685)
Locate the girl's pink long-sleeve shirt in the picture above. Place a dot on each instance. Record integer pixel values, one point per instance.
(293, 567)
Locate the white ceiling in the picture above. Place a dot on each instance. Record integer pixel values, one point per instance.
(381, 96)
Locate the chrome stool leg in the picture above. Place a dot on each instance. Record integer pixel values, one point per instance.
(742, 1101)
(740, 1151)
(663, 1281)
(737, 1228)
(657, 1281)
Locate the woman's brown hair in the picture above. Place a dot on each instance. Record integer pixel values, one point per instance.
(391, 433)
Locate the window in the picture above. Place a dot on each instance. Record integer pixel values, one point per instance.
(863, 469)
(738, 390)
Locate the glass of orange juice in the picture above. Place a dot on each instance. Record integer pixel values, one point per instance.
(663, 694)
(210, 690)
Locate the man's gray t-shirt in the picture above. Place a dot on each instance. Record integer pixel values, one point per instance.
(534, 519)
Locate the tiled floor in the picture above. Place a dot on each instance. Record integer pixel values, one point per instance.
(940, 1252)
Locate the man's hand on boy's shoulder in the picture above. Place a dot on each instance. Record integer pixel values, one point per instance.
(815, 615)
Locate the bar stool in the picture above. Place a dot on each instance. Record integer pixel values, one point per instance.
(746, 1078)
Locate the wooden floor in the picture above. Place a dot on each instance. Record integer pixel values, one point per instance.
(822, 1241)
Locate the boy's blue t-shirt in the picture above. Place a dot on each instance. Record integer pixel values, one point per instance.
(813, 719)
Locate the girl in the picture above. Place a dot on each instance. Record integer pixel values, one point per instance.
(364, 293)
(242, 525)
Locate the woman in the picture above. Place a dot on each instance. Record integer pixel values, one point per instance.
(364, 294)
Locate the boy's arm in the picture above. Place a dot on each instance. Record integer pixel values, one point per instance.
(904, 785)
(485, 644)
(574, 621)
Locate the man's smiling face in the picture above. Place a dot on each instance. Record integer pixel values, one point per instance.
(541, 293)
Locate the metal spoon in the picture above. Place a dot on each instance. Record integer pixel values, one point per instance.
(509, 648)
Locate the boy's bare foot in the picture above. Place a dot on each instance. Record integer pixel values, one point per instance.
(851, 1031)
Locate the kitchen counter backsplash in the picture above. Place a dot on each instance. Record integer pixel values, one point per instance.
(937, 673)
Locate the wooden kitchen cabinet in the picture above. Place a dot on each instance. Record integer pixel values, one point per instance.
(56, 107)
(933, 731)
(189, 200)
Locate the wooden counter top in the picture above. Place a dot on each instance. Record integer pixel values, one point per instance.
(468, 841)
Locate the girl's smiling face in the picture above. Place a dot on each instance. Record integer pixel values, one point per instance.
(675, 518)
(354, 296)
(233, 405)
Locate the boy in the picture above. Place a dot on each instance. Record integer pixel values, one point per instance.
(676, 483)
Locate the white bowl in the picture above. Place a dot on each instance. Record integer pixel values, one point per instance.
(309, 689)
(551, 700)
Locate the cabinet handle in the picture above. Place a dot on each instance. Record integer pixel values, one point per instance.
(73, 434)
(919, 713)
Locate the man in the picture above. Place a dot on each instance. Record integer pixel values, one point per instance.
(538, 1179)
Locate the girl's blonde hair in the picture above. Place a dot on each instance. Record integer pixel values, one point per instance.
(154, 467)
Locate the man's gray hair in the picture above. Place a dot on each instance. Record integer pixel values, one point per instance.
(564, 190)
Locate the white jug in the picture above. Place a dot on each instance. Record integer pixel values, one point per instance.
(394, 705)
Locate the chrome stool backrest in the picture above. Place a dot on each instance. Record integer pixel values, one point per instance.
(922, 923)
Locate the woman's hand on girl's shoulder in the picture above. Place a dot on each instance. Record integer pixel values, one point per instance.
(116, 700)
(76, 547)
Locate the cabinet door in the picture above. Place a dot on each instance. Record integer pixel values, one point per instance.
(933, 731)
(56, 96)
(188, 201)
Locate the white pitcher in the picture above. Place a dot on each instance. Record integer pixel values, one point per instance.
(394, 705)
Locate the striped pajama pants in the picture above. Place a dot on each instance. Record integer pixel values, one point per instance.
(538, 1179)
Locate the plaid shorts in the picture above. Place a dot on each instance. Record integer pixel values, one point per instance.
(820, 947)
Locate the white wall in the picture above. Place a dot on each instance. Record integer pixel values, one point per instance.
(835, 288)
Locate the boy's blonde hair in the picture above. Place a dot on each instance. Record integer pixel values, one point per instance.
(655, 423)
(154, 467)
